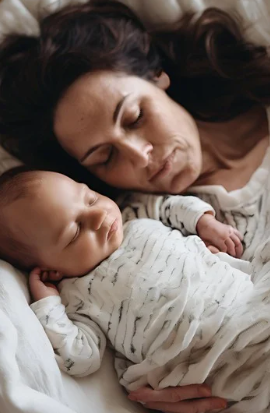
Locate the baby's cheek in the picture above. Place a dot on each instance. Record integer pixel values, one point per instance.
(116, 241)
(88, 256)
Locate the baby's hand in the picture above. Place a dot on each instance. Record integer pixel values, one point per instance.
(219, 237)
(39, 287)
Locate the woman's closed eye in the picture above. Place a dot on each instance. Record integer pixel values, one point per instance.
(131, 125)
(135, 123)
(102, 156)
(109, 156)
(105, 154)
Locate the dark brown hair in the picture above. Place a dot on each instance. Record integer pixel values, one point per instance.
(17, 183)
(214, 73)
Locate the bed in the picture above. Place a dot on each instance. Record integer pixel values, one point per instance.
(30, 381)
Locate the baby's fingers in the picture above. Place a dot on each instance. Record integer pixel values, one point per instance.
(50, 285)
(230, 246)
(238, 245)
(55, 276)
(44, 276)
(37, 287)
(237, 233)
(35, 276)
(213, 249)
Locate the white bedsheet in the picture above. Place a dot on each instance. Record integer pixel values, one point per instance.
(30, 381)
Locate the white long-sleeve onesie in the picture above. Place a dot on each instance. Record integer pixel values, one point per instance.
(79, 344)
(173, 311)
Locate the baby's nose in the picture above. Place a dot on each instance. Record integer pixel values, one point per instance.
(96, 217)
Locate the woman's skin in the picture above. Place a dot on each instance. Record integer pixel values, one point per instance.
(186, 399)
(125, 130)
(241, 146)
(129, 133)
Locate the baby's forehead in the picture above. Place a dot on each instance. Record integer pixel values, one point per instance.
(18, 187)
(34, 219)
(36, 197)
(26, 217)
(47, 185)
(21, 199)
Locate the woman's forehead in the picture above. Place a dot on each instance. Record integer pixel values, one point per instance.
(89, 98)
(88, 108)
(94, 88)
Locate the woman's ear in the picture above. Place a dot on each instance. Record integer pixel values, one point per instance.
(162, 81)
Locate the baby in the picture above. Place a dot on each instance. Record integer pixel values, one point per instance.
(42, 214)
(165, 303)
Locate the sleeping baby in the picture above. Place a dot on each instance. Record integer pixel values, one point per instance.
(174, 312)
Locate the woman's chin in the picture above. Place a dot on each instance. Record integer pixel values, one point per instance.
(183, 180)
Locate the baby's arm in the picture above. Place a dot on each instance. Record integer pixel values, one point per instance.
(198, 217)
(77, 341)
(176, 211)
(190, 215)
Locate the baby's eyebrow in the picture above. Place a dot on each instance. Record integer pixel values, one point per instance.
(80, 194)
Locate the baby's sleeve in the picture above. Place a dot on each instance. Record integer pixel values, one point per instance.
(183, 212)
(77, 341)
(177, 211)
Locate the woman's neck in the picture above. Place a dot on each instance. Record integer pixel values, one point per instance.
(233, 150)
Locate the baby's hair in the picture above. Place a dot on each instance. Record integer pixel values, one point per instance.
(15, 184)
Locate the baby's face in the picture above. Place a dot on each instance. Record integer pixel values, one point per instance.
(72, 229)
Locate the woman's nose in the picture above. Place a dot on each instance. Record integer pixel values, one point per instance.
(138, 151)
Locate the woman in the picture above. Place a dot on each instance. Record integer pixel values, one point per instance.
(95, 83)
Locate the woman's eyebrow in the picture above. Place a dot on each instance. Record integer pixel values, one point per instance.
(115, 116)
(118, 107)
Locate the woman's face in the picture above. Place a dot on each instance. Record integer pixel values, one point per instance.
(129, 133)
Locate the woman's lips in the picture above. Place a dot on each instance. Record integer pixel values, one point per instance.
(113, 228)
(164, 169)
